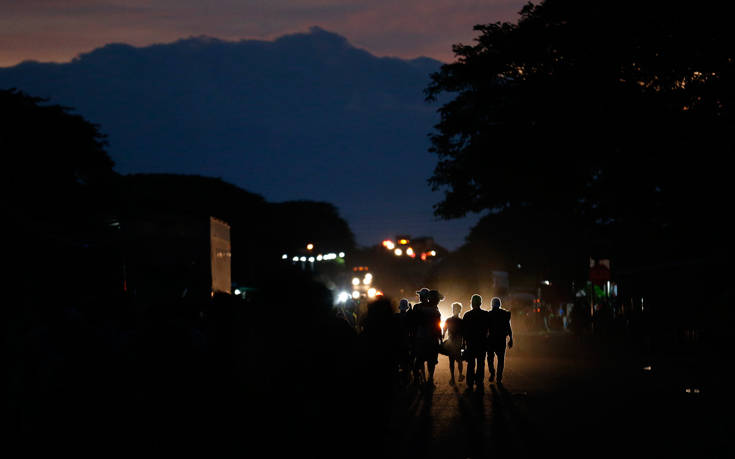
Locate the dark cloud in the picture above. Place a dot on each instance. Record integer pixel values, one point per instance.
(56, 30)
(306, 116)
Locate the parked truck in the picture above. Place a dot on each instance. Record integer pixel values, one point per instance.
(175, 255)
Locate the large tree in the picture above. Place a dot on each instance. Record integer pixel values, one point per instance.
(608, 120)
(55, 187)
(54, 160)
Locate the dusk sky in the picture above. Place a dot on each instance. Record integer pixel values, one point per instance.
(58, 30)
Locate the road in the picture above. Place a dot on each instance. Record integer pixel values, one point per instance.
(568, 405)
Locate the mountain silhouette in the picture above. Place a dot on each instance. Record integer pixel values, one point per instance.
(306, 116)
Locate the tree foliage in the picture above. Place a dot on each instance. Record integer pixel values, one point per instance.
(49, 145)
(52, 157)
(610, 118)
(260, 231)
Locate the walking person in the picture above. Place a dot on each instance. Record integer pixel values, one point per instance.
(403, 353)
(475, 325)
(428, 332)
(412, 317)
(453, 345)
(500, 330)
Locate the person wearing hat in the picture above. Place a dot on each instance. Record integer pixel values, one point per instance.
(428, 334)
(423, 295)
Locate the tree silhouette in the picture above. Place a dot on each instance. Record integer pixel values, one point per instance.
(50, 153)
(260, 231)
(607, 120)
(56, 177)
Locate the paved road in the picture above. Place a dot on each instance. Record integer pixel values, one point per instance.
(575, 406)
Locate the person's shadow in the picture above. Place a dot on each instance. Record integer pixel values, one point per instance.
(502, 407)
(471, 406)
(511, 427)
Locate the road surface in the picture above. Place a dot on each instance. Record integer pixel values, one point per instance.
(568, 405)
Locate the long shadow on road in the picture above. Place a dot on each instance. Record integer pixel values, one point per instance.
(451, 421)
(559, 405)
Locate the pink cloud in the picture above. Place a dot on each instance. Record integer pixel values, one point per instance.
(57, 30)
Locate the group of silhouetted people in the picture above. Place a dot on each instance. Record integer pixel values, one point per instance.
(477, 335)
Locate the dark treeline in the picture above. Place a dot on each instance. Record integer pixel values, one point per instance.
(63, 197)
(92, 368)
(595, 131)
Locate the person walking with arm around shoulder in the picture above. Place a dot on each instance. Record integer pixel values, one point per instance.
(475, 326)
(500, 331)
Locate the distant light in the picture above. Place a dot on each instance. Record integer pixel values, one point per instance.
(295, 258)
(378, 293)
(519, 266)
(398, 252)
(341, 254)
(433, 253)
(330, 256)
(355, 294)
(284, 257)
(342, 297)
(355, 281)
(319, 257)
(403, 241)
(388, 244)
(310, 246)
(410, 252)
(303, 258)
(546, 282)
(237, 291)
(423, 256)
(311, 259)
(369, 276)
(371, 292)
(368, 279)
(648, 368)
